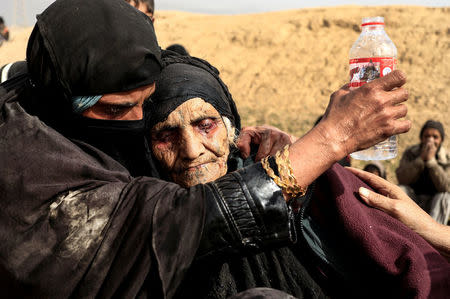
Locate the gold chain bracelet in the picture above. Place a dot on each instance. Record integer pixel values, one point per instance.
(286, 180)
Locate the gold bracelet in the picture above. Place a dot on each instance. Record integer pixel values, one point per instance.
(287, 173)
(286, 180)
(271, 173)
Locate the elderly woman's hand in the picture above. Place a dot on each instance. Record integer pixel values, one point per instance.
(392, 200)
(269, 138)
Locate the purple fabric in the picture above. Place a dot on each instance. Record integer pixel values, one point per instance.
(400, 258)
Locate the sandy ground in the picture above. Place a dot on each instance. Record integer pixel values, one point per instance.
(281, 67)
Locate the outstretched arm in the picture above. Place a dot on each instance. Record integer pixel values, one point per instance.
(392, 200)
(354, 120)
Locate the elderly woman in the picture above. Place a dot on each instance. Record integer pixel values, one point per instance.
(192, 123)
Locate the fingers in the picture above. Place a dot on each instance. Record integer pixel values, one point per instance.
(244, 141)
(392, 80)
(279, 143)
(265, 146)
(401, 126)
(345, 89)
(272, 140)
(398, 96)
(399, 111)
(269, 138)
(371, 179)
(379, 184)
(375, 200)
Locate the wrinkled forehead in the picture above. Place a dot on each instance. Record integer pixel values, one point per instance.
(187, 113)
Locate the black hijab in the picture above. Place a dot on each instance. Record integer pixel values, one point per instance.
(184, 78)
(83, 47)
(93, 47)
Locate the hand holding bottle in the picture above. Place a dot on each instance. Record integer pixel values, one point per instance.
(359, 118)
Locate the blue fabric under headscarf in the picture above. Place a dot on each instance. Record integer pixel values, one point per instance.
(81, 103)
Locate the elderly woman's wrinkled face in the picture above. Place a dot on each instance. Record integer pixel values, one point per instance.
(192, 143)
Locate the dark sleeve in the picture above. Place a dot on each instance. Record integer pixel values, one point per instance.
(246, 212)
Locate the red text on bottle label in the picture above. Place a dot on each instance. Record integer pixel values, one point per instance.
(363, 70)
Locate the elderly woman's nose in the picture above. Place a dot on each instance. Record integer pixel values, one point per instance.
(191, 145)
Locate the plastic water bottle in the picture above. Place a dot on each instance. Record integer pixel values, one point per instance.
(373, 55)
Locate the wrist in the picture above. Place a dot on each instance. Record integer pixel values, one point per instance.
(333, 143)
(433, 233)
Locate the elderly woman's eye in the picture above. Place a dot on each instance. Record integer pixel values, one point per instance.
(207, 124)
(164, 136)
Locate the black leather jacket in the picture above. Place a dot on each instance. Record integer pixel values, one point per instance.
(246, 211)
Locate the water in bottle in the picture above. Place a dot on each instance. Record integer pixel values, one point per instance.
(373, 55)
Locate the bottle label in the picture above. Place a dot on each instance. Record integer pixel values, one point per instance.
(363, 70)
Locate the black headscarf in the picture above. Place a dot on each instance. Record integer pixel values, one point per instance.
(184, 78)
(89, 48)
(83, 47)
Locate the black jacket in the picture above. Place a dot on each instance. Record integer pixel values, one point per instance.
(74, 223)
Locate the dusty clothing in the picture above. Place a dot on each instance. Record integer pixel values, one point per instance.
(74, 222)
(428, 177)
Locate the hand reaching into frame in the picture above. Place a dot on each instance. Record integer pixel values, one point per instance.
(392, 200)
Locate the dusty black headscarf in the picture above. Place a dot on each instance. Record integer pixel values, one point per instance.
(93, 47)
(83, 47)
(184, 78)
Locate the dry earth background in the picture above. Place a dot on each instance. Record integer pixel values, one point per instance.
(281, 67)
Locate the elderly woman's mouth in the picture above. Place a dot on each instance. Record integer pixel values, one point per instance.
(198, 166)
